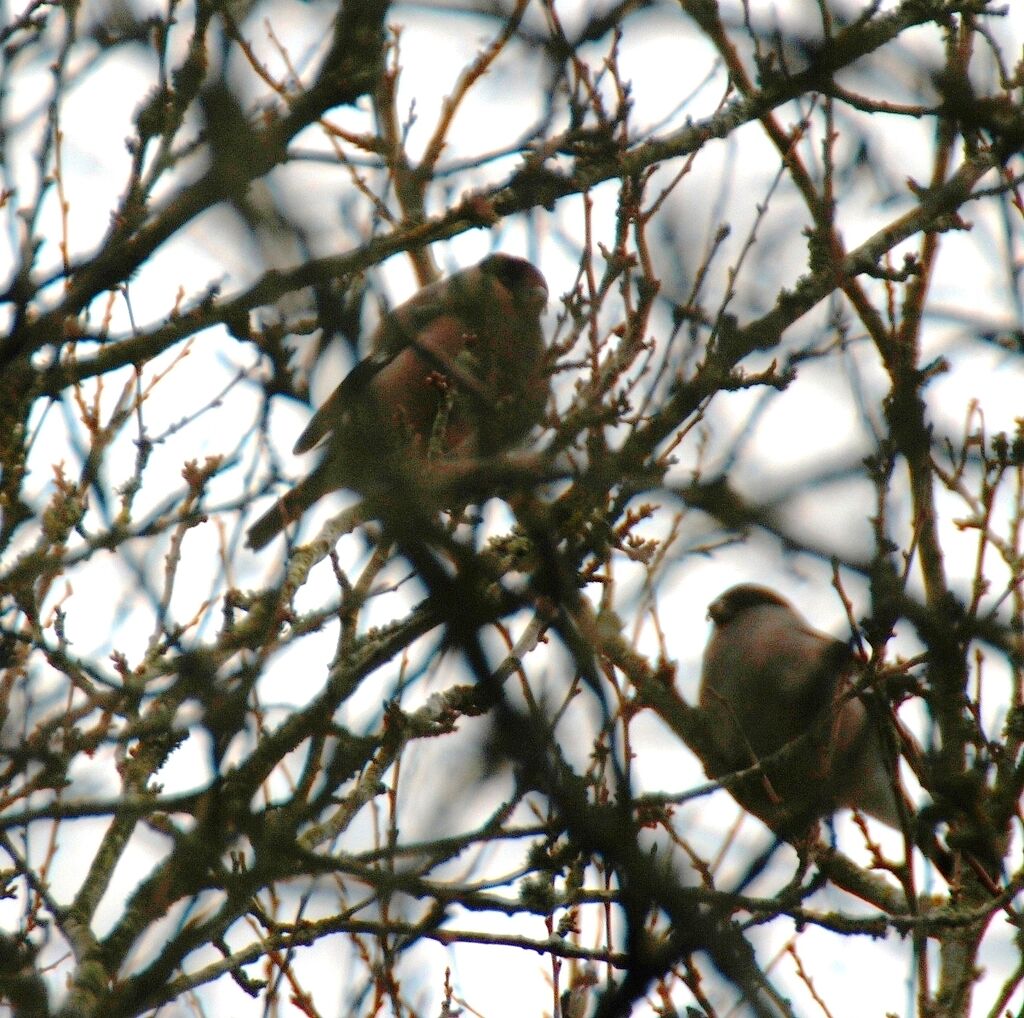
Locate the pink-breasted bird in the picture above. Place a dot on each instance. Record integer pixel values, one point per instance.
(462, 361)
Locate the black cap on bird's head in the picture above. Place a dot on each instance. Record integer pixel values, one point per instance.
(521, 278)
(738, 599)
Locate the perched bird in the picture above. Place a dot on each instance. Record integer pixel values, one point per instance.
(459, 368)
(769, 679)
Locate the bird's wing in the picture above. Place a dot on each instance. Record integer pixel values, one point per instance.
(398, 381)
(331, 412)
(457, 295)
(797, 660)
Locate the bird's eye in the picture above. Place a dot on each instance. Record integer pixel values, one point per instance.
(521, 278)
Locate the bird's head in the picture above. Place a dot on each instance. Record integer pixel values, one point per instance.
(738, 599)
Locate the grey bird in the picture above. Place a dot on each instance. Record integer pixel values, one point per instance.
(777, 692)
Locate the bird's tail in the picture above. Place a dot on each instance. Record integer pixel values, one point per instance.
(287, 509)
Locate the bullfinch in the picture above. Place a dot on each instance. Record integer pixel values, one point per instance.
(769, 678)
(459, 368)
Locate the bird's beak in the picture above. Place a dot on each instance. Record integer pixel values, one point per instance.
(538, 296)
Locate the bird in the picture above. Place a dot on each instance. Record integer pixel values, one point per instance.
(459, 368)
(775, 691)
